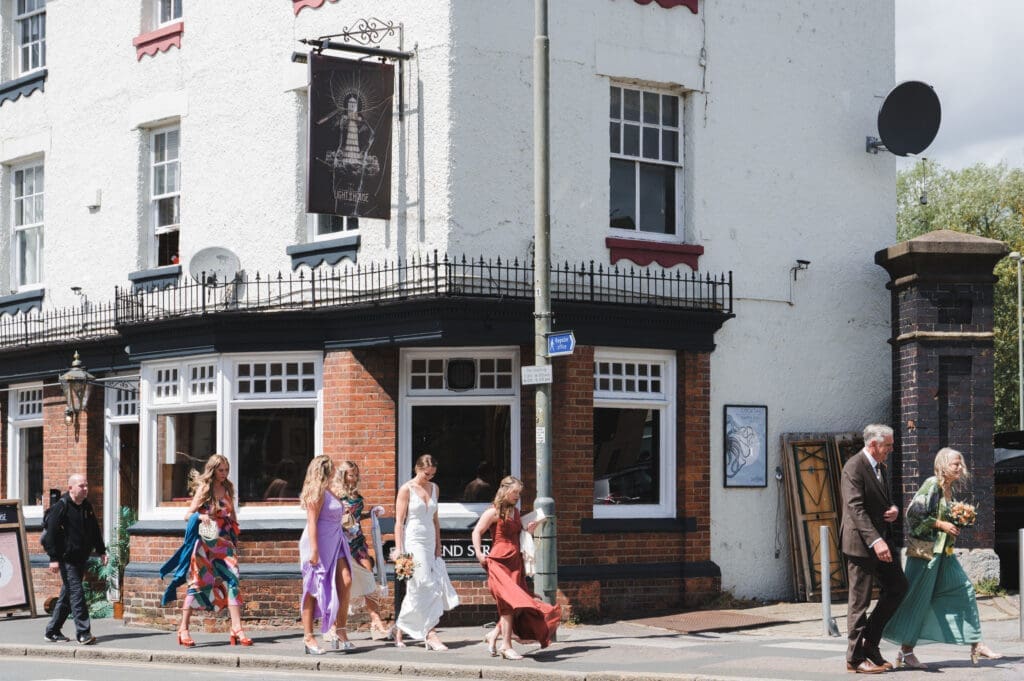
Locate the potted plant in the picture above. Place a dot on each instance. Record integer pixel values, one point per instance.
(117, 558)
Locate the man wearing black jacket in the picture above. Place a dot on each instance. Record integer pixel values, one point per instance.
(71, 534)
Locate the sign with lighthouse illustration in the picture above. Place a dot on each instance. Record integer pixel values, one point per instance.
(349, 152)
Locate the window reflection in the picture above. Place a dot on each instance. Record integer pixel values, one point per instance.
(472, 444)
(274, 448)
(626, 456)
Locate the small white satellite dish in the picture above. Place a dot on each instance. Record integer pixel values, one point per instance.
(214, 266)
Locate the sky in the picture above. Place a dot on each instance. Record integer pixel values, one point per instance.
(969, 51)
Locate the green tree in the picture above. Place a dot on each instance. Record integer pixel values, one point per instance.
(984, 200)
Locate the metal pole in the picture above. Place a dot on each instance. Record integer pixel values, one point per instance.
(1020, 582)
(826, 582)
(545, 580)
(1020, 350)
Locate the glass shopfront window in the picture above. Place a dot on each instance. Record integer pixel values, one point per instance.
(471, 444)
(184, 443)
(626, 456)
(274, 448)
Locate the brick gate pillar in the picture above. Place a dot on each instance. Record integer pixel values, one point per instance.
(942, 357)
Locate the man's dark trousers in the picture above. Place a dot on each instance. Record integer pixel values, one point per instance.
(865, 630)
(71, 600)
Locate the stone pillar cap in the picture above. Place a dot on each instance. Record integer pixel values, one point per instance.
(943, 255)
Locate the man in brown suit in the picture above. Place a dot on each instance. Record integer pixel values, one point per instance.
(867, 513)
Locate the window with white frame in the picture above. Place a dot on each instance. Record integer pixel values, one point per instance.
(25, 450)
(167, 11)
(634, 433)
(461, 406)
(165, 195)
(324, 226)
(262, 412)
(125, 404)
(646, 169)
(27, 214)
(29, 35)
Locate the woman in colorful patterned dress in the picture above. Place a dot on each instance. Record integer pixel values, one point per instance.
(346, 488)
(520, 614)
(940, 605)
(325, 559)
(213, 569)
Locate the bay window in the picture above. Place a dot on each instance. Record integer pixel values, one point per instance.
(261, 412)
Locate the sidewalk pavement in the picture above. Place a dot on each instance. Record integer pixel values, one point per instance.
(778, 641)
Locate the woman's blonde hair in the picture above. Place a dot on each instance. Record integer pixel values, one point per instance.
(201, 484)
(341, 486)
(943, 460)
(501, 502)
(425, 461)
(319, 474)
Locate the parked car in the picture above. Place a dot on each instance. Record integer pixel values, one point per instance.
(1009, 504)
(633, 485)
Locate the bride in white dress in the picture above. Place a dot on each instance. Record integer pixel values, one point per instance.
(429, 592)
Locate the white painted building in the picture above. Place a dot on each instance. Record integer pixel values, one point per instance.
(134, 135)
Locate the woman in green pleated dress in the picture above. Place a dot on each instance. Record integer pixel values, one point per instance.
(940, 605)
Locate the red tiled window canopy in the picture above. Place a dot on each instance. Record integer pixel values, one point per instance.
(160, 40)
(669, 4)
(643, 253)
(299, 5)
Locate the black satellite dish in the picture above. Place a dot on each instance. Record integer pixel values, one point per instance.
(908, 119)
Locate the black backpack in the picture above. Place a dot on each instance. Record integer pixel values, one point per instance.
(44, 536)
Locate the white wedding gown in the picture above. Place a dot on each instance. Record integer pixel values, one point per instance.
(429, 592)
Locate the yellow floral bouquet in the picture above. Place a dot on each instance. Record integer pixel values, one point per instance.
(962, 514)
(404, 566)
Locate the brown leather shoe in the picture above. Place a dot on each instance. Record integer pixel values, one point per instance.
(865, 667)
(875, 656)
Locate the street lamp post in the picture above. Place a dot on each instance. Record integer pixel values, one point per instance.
(1020, 347)
(545, 580)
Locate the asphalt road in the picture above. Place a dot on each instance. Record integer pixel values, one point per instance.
(41, 669)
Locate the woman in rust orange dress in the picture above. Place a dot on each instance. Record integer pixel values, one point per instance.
(520, 613)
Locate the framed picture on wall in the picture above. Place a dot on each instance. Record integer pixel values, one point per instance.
(746, 445)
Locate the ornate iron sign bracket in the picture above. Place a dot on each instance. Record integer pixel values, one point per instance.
(365, 37)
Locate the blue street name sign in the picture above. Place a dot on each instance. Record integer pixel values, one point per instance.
(561, 343)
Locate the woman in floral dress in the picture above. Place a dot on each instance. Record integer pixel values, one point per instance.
(940, 604)
(346, 488)
(213, 568)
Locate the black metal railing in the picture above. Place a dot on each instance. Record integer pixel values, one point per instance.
(432, 276)
(86, 322)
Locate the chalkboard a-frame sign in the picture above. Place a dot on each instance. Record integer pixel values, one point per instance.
(16, 592)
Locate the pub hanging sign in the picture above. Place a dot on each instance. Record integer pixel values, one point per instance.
(348, 168)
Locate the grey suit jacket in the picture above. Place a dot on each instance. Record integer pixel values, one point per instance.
(865, 500)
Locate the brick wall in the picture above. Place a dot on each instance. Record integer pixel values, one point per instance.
(75, 447)
(943, 390)
(360, 418)
(693, 470)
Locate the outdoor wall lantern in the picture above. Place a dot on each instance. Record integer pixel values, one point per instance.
(76, 384)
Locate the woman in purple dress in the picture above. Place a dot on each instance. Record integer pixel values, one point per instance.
(325, 558)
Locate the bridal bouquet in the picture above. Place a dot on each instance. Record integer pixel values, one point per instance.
(404, 566)
(962, 514)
